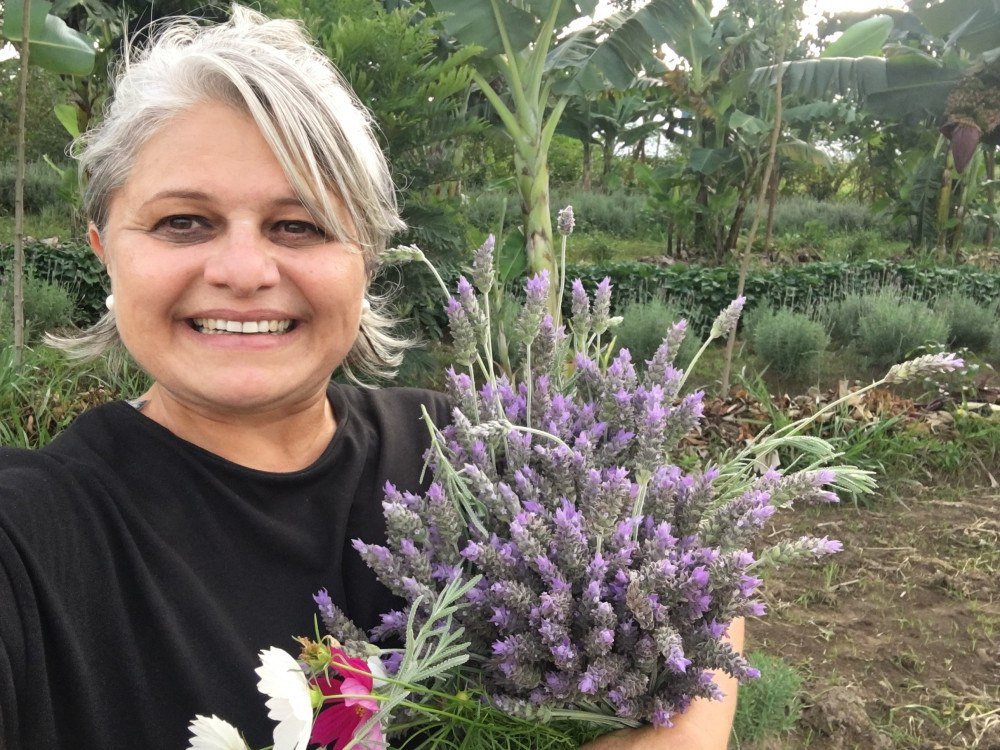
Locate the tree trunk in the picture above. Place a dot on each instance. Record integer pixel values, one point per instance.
(991, 168)
(765, 179)
(588, 159)
(772, 201)
(608, 152)
(533, 184)
(18, 269)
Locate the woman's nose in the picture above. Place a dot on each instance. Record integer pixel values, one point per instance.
(243, 262)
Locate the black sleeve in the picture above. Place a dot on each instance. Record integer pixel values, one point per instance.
(25, 711)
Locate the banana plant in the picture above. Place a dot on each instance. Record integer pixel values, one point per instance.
(959, 87)
(542, 63)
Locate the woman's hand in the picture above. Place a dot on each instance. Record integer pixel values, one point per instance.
(704, 726)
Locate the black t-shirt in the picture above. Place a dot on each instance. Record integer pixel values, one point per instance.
(141, 575)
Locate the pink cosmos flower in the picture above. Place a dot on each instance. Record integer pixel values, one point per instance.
(336, 726)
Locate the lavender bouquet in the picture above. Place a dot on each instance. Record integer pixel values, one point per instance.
(563, 575)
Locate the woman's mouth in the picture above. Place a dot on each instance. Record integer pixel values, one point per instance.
(219, 325)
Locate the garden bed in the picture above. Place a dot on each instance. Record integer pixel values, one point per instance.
(897, 637)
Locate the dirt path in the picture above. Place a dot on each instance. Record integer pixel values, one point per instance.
(898, 636)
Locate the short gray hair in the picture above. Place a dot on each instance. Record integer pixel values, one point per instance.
(320, 133)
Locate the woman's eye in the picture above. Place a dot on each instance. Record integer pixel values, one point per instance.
(299, 232)
(181, 226)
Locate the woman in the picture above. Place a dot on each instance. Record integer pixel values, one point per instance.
(240, 203)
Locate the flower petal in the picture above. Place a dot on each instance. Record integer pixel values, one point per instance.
(213, 733)
(335, 723)
(290, 702)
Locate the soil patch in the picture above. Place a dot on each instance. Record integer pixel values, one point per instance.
(898, 636)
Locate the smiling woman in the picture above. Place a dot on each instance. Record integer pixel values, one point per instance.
(206, 243)
(240, 204)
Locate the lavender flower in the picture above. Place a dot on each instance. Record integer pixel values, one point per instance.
(565, 221)
(601, 316)
(599, 573)
(482, 265)
(726, 322)
(925, 366)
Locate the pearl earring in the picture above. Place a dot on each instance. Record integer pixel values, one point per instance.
(366, 306)
(110, 302)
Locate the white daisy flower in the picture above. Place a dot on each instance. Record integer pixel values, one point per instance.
(213, 733)
(290, 701)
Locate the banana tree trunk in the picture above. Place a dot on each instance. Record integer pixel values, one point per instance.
(533, 184)
(587, 164)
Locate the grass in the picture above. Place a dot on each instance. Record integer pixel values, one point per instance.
(49, 222)
(42, 396)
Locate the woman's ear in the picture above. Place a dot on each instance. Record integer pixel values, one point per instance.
(96, 243)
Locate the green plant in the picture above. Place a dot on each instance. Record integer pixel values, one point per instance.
(47, 392)
(770, 704)
(47, 306)
(970, 325)
(789, 342)
(643, 327)
(41, 188)
(893, 327)
(74, 267)
(842, 317)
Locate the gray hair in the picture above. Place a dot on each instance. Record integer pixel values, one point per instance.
(320, 133)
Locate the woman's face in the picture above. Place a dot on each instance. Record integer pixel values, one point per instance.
(207, 245)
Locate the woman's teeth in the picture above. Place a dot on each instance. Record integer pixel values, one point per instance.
(217, 325)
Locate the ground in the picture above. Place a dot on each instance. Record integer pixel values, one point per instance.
(897, 637)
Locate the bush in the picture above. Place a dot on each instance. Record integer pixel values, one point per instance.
(789, 342)
(770, 704)
(969, 324)
(621, 213)
(643, 327)
(800, 214)
(73, 267)
(893, 327)
(41, 187)
(799, 287)
(47, 306)
(842, 317)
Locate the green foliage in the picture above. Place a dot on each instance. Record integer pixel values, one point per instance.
(45, 394)
(621, 213)
(799, 287)
(770, 704)
(643, 328)
(843, 316)
(47, 306)
(789, 343)
(792, 214)
(970, 325)
(72, 267)
(41, 187)
(565, 160)
(892, 328)
(44, 133)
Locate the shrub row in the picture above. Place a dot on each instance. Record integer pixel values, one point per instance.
(622, 214)
(698, 292)
(882, 328)
(704, 291)
(628, 214)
